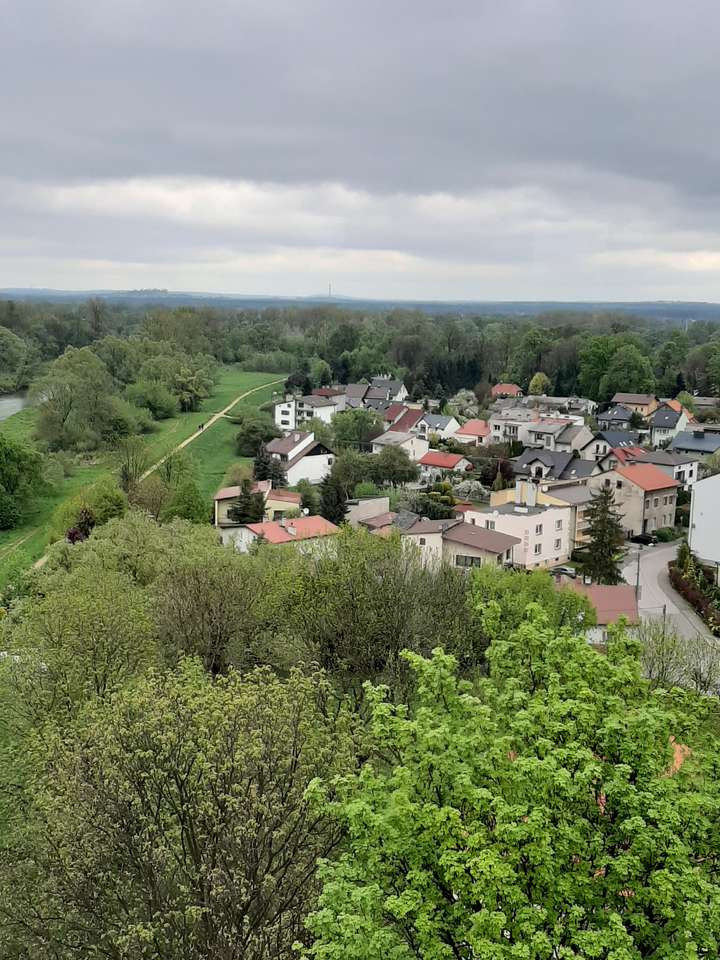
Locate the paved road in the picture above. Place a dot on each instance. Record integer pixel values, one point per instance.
(656, 591)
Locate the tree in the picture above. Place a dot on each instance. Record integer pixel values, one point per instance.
(267, 467)
(687, 400)
(602, 559)
(392, 465)
(255, 430)
(309, 497)
(320, 372)
(91, 508)
(155, 396)
(187, 503)
(133, 461)
(628, 370)
(174, 822)
(20, 476)
(530, 818)
(250, 507)
(351, 468)
(353, 428)
(333, 499)
(540, 384)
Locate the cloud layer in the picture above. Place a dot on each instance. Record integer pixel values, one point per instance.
(413, 149)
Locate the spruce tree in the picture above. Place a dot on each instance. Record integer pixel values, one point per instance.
(333, 502)
(249, 508)
(262, 463)
(605, 550)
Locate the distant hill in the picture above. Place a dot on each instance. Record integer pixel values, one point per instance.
(679, 311)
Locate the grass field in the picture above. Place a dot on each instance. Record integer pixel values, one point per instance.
(20, 547)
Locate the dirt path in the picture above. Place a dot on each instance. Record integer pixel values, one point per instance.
(184, 443)
(213, 419)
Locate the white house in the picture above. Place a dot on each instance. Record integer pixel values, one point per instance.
(704, 533)
(666, 422)
(544, 533)
(302, 456)
(437, 464)
(443, 426)
(561, 434)
(394, 389)
(459, 544)
(511, 424)
(412, 443)
(292, 412)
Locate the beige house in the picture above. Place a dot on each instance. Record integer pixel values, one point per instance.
(642, 403)
(415, 446)
(459, 544)
(575, 496)
(645, 496)
(278, 503)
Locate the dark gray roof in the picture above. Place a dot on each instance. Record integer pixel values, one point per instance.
(436, 420)
(620, 438)
(666, 458)
(562, 466)
(696, 442)
(618, 414)
(665, 417)
(576, 494)
(393, 386)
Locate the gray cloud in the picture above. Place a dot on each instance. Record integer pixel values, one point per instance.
(529, 149)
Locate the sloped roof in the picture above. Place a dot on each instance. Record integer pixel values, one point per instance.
(619, 438)
(286, 445)
(646, 476)
(356, 390)
(408, 420)
(382, 520)
(474, 428)
(394, 410)
(511, 389)
(666, 416)
(393, 438)
(639, 398)
(702, 443)
(627, 454)
(438, 421)
(610, 602)
(286, 495)
(231, 493)
(618, 413)
(445, 461)
(303, 528)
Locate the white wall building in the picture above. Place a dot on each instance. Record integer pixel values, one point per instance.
(302, 456)
(704, 533)
(414, 445)
(293, 412)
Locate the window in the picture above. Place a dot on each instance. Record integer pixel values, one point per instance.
(461, 560)
(538, 529)
(618, 484)
(285, 423)
(537, 549)
(647, 503)
(607, 481)
(656, 501)
(422, 541)
(558, 544)
(490, 524)
(558, 524)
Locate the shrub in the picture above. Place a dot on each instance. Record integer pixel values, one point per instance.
(666, 534)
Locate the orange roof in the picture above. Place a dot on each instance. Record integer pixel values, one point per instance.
(646, 476)
(610, 602)
(285, 495)
(394, 411)
(304, 528)
(511, 389)
(679, 408)
(446, 461)
(474, 428)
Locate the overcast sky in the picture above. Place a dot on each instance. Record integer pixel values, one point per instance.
(526, 149)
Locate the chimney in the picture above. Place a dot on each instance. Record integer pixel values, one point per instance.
(532, 494)
(296, 437)
(518, 492)
(698, 434)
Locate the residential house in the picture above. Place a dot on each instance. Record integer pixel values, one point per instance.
(336, 391)
(599, 445)
(391, 411)
(474, 432)
(505, 390)
(408, 421)
(706, 405)
(303, 530)
(511, 424)
(438, 423)
(575, 496)
(415, 446)
(543, 532)
(701, 443)
(355, 393)
(704, 532)
(395, 389)
(667, 421)
(364, 508)
(644, 495)
(619, 456)
(393, 521)
(681, 467)
(302, 456)
(293, 412)
(643, 403)
(559, 434)
(578, 406)
(611, 604)
(436, 464)
(548, 466)
(616, 418)
(459, 544)
(227, 496)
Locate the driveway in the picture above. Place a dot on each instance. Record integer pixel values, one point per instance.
(657, 596)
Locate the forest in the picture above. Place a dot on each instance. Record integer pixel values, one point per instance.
(338, 754)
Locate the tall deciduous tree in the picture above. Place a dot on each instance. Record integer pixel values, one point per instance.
(604, 554)
(556, 812)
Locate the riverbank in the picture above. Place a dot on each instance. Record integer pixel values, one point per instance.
(22, 546)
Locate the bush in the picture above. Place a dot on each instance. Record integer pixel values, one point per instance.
(696, 597)
(155, 397)
(101, 502)
(666, 534)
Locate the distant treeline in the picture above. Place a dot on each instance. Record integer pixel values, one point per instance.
(586, 352)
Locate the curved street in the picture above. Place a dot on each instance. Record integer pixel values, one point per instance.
(656, 595)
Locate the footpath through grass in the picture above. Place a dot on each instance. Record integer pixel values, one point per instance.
(23, 545)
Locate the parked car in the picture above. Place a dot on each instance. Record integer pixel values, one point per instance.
(646, 539)
(564, 571)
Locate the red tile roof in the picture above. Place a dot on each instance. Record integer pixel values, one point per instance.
(328, 391)
(445, 461)
(474, 428)
(393, 411)
(624, 454)
(382, 520)
(679, 408)
(509, 389)
(610, 602)
(646, 476)
(304, 528)
(407, 421)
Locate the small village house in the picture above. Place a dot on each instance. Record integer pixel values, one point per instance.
(415, 446)
(474, 432)
(436, 465)
(643, 403)
(303, 531)
(644, 495)
(302, 457)
(459, 544)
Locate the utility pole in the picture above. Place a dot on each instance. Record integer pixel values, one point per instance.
(637, 573)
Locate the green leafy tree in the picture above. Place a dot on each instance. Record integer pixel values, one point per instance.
(687, 400)
(309, 497)
(540, 816)
(133, 462)
(186, 503)
(320, 372)
(255, 430)
(174, 822)
(20, 477)
(102, 501)
(602, 559)
(540, 384)
(351, 468)
(250, 507)
(355, 428)
(333, 499)
(392, 465)
(155, 396)
(629, 371)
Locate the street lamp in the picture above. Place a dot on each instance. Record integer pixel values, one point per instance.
(637, 574)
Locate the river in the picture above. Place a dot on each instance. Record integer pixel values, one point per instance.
(10, 403)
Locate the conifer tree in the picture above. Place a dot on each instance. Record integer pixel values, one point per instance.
(605, 550)
(262, 463)
(333, 502)
(249, 508)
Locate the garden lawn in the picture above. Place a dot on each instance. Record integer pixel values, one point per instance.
(22, 546)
